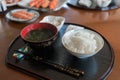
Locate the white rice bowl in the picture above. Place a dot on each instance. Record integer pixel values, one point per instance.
(82, 43)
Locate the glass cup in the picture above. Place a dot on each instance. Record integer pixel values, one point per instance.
(3, 6)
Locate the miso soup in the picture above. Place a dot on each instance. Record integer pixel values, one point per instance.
(39, 35)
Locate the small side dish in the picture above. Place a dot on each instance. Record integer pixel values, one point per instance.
(57, 21)
(22, 15)
(94, 3)
(12, 2)
(103, 3)
(86, 3)
(51, 4)
(43, 5)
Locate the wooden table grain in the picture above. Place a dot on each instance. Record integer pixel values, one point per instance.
(105, 22)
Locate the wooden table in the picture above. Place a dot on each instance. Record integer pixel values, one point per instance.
(105, 22)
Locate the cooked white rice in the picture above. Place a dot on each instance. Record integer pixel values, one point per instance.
(80, 41)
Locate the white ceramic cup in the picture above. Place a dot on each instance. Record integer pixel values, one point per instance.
(3, 6)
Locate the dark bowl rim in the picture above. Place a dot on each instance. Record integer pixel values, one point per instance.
(35, 42)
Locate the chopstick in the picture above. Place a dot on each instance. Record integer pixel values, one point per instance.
(19, 58)
(66, 69)
(74, 72)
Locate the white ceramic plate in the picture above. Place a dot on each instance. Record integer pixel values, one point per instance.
(36, 15)
(57, 21)
(25, 4)
(13, 4)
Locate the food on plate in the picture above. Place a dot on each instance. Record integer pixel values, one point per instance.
(95, 3)
(45, 4)
(81, 41)
(36, 3)
(22, 14)
(52, 4)
(11, 1)
(86, 3)
(57, 21)
(103, 3)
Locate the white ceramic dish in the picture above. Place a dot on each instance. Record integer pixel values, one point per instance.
(58, 21)
(13, 4)
(26, 2)
(8, 15)
(66, 44)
